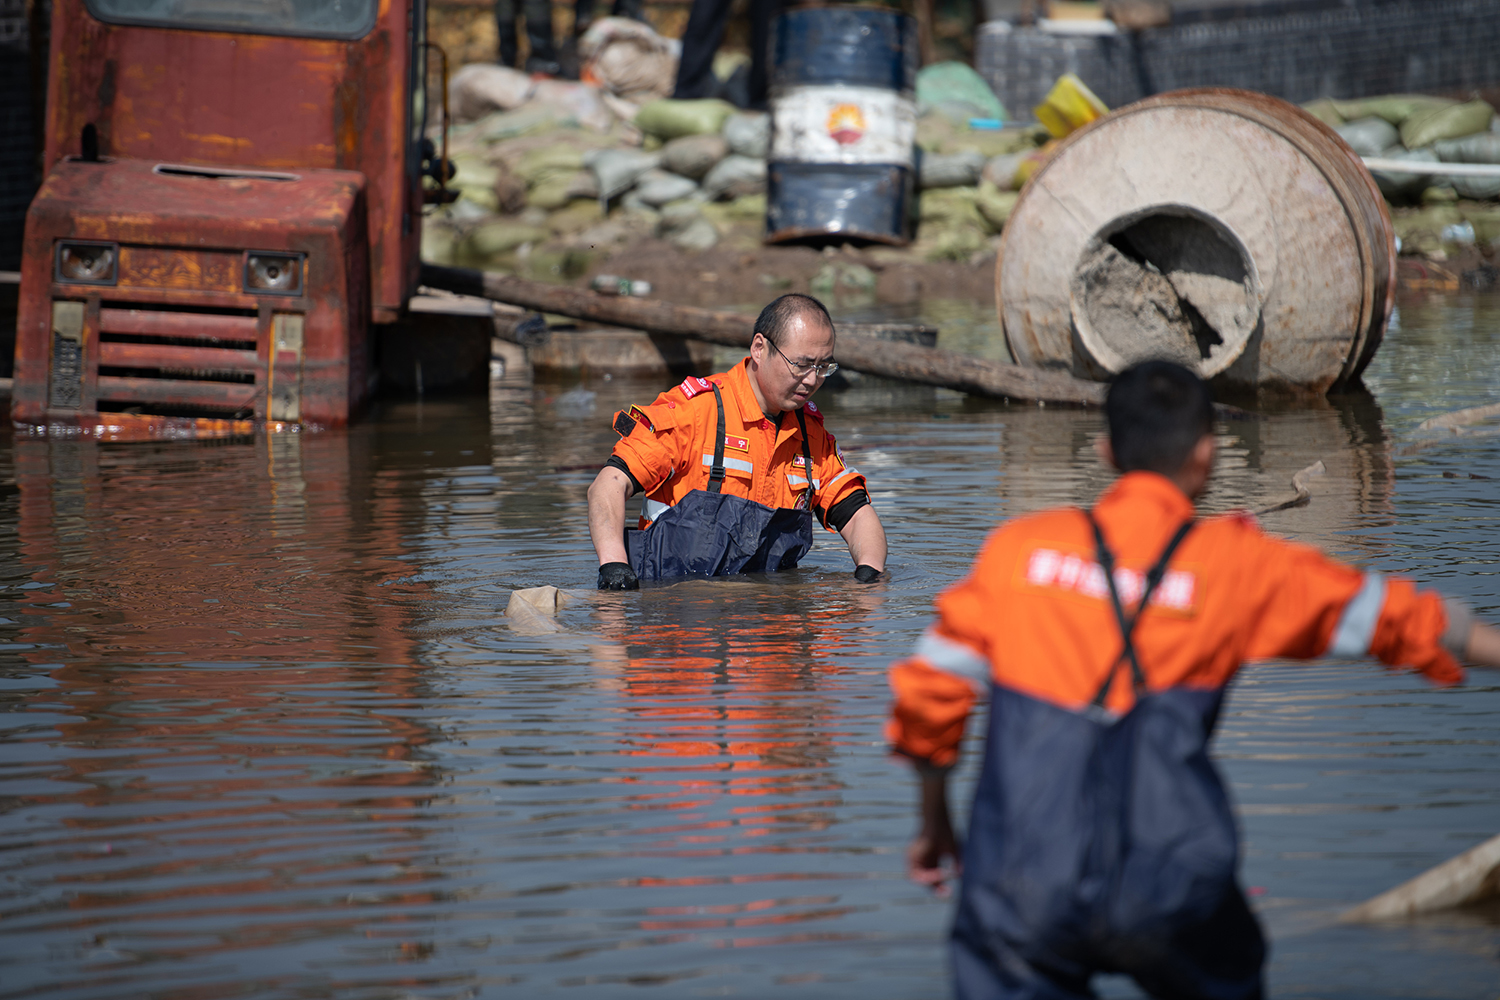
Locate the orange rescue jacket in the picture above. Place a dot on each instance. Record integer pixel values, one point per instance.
(669, 448)
(1034, 614)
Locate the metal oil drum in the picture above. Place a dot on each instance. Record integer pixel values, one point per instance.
(1225, 229)
(843, 121)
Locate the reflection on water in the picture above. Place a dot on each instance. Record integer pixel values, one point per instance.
(266, 732)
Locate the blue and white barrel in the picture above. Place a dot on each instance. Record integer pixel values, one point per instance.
(843, 125)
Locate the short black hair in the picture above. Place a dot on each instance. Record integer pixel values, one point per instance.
(1157, 410)
(773, 319)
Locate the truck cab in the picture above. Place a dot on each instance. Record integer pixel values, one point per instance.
(232, 195)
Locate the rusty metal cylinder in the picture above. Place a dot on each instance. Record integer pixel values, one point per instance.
(843, 125)
(1225, 229)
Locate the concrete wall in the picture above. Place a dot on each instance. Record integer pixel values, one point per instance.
(1295, 49)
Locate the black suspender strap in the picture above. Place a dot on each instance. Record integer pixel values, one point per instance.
(807, 461)
(716, 472)
(1127, 625)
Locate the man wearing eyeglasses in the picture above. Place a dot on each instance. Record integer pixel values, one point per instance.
(735, 467)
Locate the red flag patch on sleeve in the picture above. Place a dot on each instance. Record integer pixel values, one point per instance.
(692, 385)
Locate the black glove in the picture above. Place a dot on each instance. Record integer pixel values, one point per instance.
(618, 576)
(865, 574)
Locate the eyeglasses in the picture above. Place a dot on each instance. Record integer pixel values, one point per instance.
(802, 368)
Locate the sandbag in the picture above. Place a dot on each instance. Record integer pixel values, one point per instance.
(668, 119)
(685, 227)
(1001, 170)
(479, 88)
(657, 188)
(1404, 185)
(943, 170)
(491, 239)
(735, 176)
(1368, 136)
(527, 120)
(627, 58)
(578, 100)
(1481, 148)
(995, 205)
(1424, 128)
(1394, 108)
(694, 155)
(474, 179)
(617, 170)
(547, 162)
(748, 133)
(953, 88)
(1325, 110)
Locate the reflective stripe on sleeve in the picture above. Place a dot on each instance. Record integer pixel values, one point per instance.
(730, 463)
(652, 509)
(953, 658)
(850, 471)
(1361, 614)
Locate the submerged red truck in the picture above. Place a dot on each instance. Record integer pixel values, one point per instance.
(233, 195)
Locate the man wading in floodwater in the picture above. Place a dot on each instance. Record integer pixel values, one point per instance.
(734, 467)
(1101, 838)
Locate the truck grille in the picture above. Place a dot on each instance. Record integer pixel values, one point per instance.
(177, 361)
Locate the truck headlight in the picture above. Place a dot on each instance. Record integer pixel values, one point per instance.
(93, 263)
(279, 273)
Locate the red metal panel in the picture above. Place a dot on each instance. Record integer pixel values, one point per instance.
(218, 359)
(226, 395)
(199, 326)
(320, 215)
(228, 99)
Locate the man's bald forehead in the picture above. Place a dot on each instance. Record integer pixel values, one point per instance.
(775, 318)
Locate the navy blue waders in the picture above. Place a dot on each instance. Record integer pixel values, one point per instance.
(708, 533)
(1103, 843)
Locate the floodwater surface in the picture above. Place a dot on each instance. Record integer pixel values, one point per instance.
(267, 732)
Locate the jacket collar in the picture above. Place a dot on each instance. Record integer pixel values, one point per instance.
(1150, 488)
(737, 381)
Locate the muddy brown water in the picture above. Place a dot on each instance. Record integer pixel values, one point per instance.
(267, 734)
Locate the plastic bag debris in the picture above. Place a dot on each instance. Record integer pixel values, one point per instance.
(956, 90)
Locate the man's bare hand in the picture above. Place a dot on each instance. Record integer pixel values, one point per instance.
(935, 843)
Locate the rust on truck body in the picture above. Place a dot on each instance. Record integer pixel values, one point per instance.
(254, 205)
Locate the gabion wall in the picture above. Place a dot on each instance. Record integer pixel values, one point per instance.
(1321, 50)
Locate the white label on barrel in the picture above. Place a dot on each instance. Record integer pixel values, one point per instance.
(843, 125)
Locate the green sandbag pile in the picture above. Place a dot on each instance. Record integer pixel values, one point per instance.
(1418, 128)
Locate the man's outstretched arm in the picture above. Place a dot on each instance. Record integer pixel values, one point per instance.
(865, 536)
(607, 496)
